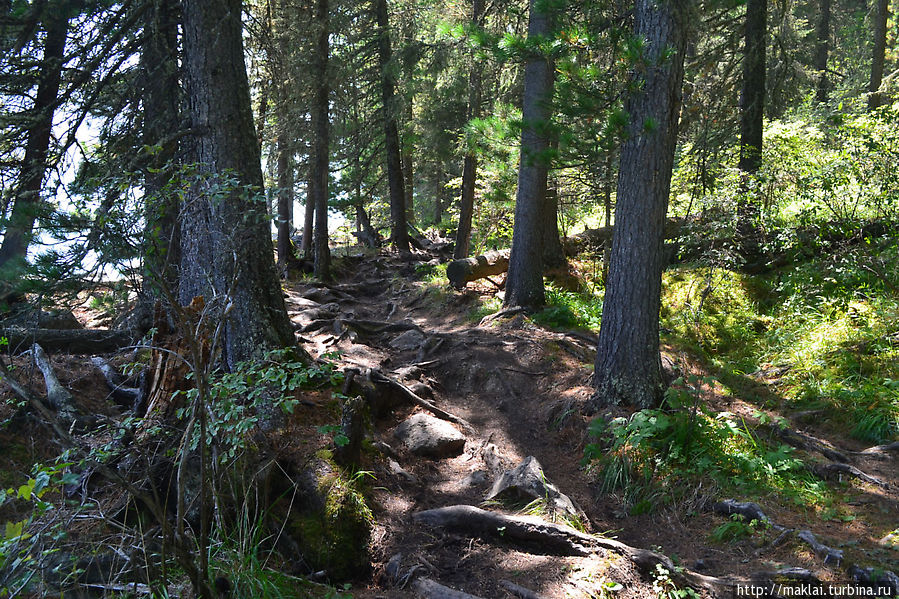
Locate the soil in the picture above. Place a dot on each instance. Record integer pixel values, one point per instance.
(522, 387)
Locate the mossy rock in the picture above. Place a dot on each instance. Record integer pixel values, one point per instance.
(334, 529)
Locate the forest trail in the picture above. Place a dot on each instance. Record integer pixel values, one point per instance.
(522, 387)
(519, 390)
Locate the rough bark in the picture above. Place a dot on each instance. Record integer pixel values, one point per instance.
(628, 364)
(308, 221)
(822, 49)
(285, 196)
(226, 240)
(318, 191)
(391, 132)
(470, 163)
(881, 16)
(460, 272)
(524, 286)
(752, 112)
(26, 196)
(553, 253)
(162, 109)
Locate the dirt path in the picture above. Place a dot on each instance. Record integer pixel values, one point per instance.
(521, 388)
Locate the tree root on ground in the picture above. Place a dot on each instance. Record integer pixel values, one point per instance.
(561, 540)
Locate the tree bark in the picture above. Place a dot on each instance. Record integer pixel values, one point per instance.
(226, 240)
(752, 115)
(308, 220)
(524, 285)
(470, 163)
(881, 16)
(285, 194)
(162, 95)
(321, 143)
(822, 49)
(391, 132)
(26, 197)
(628, 364)
(285, 126)
(553, 253)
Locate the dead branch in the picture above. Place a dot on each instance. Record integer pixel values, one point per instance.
(379, 378)
(59, 398)
(72, 341)
(808, 443)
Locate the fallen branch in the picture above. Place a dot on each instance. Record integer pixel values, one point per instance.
(123, 394)
(59, 398)
(881, 449)
(378, 377)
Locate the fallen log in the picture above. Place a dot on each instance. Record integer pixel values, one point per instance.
(73, 341)
(461, 272)
(830, 471)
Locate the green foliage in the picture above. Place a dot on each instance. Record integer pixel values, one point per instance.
(735, 529)
(568, 309)
(665, 588)
(239, 399)
(656, 455)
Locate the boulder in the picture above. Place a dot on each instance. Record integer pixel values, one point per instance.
(424, 435)
(408, 341)
(527, 482)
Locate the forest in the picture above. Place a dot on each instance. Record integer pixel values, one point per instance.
(449, 299)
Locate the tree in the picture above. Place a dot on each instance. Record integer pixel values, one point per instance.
(394, 163)
(524, 285)
(628, 364)
(226, 241)
(881, 16)
(752, 112)
(161, 91)
(320, 169)
(822, 49)
(470, 163)
(26, 197)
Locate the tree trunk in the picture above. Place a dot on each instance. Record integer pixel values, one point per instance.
(285, 193)
(162, 96)
(408, 165)
(751, 125)
(226, 240)
(628, 364)
(391, 132)
(308, 220)
(881, 16)
(470, 163)
(320, 143)
(821, 52)
(26, 197)
(553, 253)
(524, 286)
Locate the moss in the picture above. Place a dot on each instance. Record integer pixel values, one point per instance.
(335, 538)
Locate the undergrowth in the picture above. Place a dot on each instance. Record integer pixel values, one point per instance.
(661, 455)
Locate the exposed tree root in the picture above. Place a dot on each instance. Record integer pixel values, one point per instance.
(519, 591)
(379, 378)
(808, 443)
(830, 471)
(828, 554)
(427, 588)
(59, 398)
(560, 539)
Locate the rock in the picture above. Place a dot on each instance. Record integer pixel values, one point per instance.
(891, 539)
(45, 319)
(528, 482)
(425, 435)
(475, 479)
(408, 341)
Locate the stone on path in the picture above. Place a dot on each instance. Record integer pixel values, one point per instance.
(528, 482)
(425, 435)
